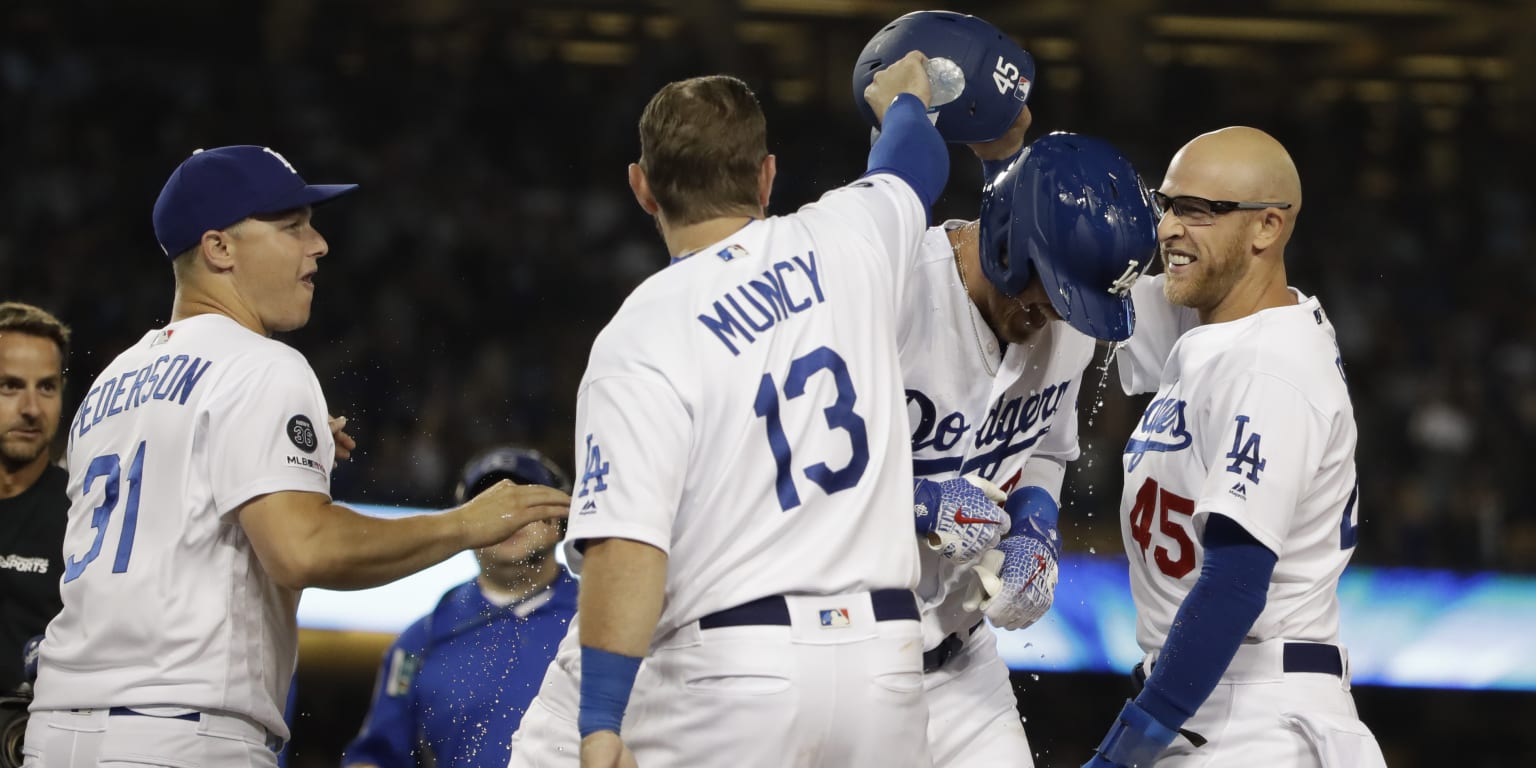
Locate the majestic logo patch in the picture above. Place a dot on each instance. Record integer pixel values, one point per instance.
(302, 433)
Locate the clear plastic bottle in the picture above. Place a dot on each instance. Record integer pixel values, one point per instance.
(946, 81)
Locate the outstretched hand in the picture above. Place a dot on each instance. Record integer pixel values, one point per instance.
(504, 508)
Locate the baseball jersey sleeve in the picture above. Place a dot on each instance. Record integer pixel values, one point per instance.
(1139, 360)
(634, 433)
(880, 208)
(1043, 472)
(1268, 438)
(268, 432)
(388, 735)
(1061, 442)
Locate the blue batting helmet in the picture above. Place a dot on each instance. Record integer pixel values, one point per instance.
(524, 466)
(986, 81)
(1072, 210)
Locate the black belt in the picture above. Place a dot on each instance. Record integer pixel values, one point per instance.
(1320, 658)
(190, 717)
(940, 654)
(889, 605)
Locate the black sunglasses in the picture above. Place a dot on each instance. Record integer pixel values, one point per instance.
(1198, 211)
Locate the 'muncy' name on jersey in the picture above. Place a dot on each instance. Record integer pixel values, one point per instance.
(742, 411)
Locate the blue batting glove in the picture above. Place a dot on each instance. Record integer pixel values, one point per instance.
(961, 518)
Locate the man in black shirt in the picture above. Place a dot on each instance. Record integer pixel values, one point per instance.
(33, 503)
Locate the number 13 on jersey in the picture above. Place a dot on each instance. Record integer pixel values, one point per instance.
(839, 415)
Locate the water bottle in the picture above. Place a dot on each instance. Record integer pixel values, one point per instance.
(946, 81)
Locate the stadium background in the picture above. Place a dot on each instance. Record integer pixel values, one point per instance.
(494, 234)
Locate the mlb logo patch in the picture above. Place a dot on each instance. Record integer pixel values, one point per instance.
(835, 618)
(731, 252)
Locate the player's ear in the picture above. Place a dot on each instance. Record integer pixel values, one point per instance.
(642, 189)
(217, 250)
(765, 179)
(1268, 228)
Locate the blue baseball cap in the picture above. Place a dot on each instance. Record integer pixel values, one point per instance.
(216, 188)
(524, 466)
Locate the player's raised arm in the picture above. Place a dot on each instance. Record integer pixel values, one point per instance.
(306, 540)
(909, 146)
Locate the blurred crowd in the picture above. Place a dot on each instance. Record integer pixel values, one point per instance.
(494, 234)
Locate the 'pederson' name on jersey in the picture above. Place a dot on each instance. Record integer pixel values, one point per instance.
(754, 307)
(167, 378)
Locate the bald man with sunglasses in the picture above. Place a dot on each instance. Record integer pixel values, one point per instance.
(1240, 504)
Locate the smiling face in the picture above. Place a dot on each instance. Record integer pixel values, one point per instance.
(276, 258)
(1226, 264)
(1202, 264)
(31, 383)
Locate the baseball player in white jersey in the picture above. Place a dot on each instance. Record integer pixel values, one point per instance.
(741, 514)
(199, 476)
(1241, 502)
(1078, 224)
(996, 332)
(974, 408)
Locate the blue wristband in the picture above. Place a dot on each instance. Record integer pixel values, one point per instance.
(910, 147)
(927, 500)
(606, 681)
(1030, 501)
(1135, 739)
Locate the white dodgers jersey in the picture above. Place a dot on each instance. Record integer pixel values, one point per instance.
(743, 410)
(1010, 417)
(165, 603)
(1252, 420)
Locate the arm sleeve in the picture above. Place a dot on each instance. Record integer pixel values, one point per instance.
(387, 738)
(1211, 623)
(635, 435)
(267, 432)
(910, 148)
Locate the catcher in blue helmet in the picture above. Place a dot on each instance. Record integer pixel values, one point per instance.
(479, 657)
(997, 329)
